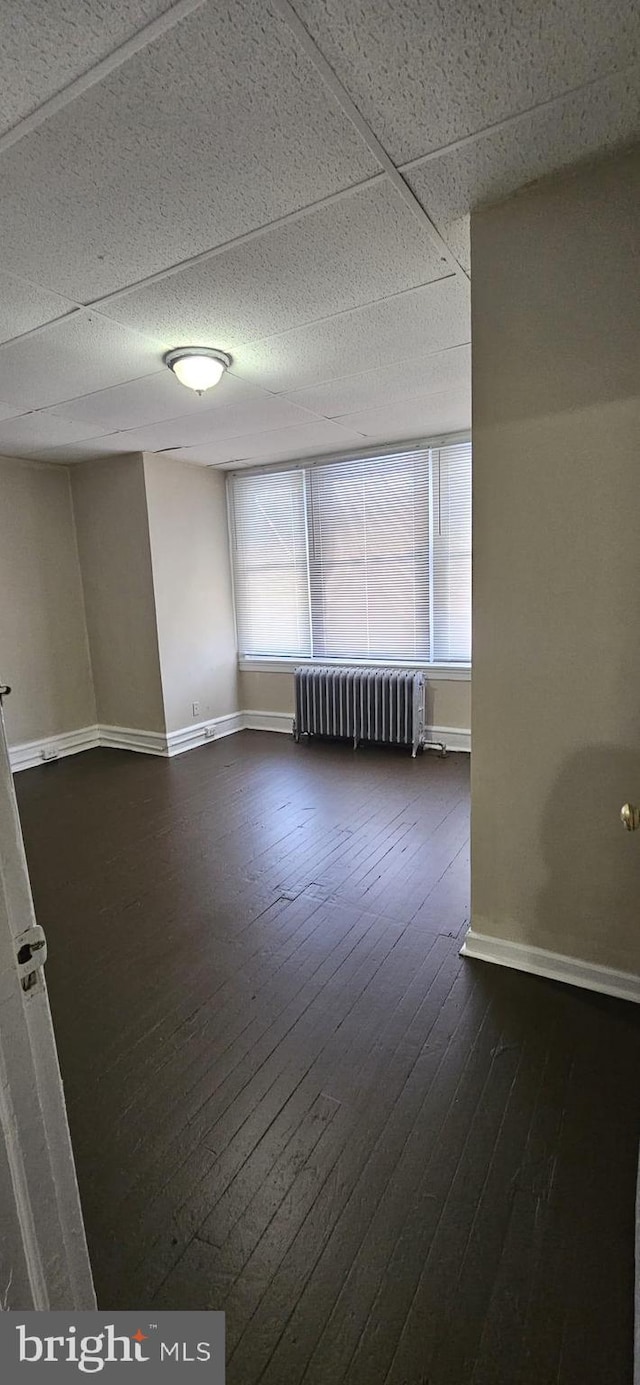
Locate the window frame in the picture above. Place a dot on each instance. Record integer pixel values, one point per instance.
(459, 671)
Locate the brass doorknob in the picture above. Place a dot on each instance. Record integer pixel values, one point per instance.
(630, 817)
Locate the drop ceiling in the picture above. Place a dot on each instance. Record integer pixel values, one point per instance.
(290, 182)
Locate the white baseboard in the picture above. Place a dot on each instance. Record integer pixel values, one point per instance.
(554, 965)
(32, 753)
(132, 738)
(188, 737)
(185, 738)
(454, 737)
(50, 748)
(268, 721)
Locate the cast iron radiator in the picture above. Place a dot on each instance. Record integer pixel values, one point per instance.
(361, 704)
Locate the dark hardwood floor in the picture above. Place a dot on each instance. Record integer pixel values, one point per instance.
(291, 1099)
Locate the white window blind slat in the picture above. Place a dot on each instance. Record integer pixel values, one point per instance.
(366, 558)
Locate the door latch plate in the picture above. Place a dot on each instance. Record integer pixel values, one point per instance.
(31, 955)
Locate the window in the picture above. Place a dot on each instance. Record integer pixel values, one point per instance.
(271, 571)
(367, 558)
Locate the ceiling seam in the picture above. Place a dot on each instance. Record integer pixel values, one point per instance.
(257, 432)
(85, 310)
(271, 394)
(43, 327)
(137, 379)
(465, 140)
(43, 288)
(336, 419)
(308, 322)
(149, 337)
(97, 304)
(185, 447)
(255, 341)
(152, 31)
(349, 108)
(370, 370)
(289, 219)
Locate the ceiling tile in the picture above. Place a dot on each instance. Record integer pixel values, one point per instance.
(500, 162)
(259, 414)
(424, 73)
(153, 399)
(22, 436)
(218, 127)
(320, 435)
(423, 416)
(83, 353)
(47, 44)
(417, 323)
(302, 271)
(397, 380)
(24, 305)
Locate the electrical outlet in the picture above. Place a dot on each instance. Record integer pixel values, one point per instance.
(49, 753)
(210, 733)
(196, 708)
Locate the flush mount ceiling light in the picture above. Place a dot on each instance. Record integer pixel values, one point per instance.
(198, 367)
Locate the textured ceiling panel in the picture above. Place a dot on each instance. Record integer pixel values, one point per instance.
(423, 416)
(253, 415)
(415, 323)
(152, 399)
(502, 161)
(81, 354)
(46, 44)
(320, 435)
(307, 269)
(424, 72)
(219, 127)
(395, 381)
(25, 436)
(23, 306)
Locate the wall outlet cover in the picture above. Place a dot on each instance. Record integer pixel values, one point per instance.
(195, 708)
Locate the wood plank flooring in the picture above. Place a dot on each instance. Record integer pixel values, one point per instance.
(291, 1099)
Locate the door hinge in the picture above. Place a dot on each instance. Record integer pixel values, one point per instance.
(31, 955)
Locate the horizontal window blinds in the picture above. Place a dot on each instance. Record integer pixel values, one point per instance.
(451, 545)
(369, 558)
(269, 537)
(366, 558)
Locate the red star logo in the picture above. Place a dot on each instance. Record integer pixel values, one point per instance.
(138, 1336)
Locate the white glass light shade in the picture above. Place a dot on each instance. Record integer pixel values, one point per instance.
(198, 367)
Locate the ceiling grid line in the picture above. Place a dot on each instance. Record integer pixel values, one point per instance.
(95, 309)
(339, 91)
(496, 127)
(156, 29)
(317, 321)
(246, 238)
(262, 389)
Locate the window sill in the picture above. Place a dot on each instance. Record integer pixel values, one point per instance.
(451, 673)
